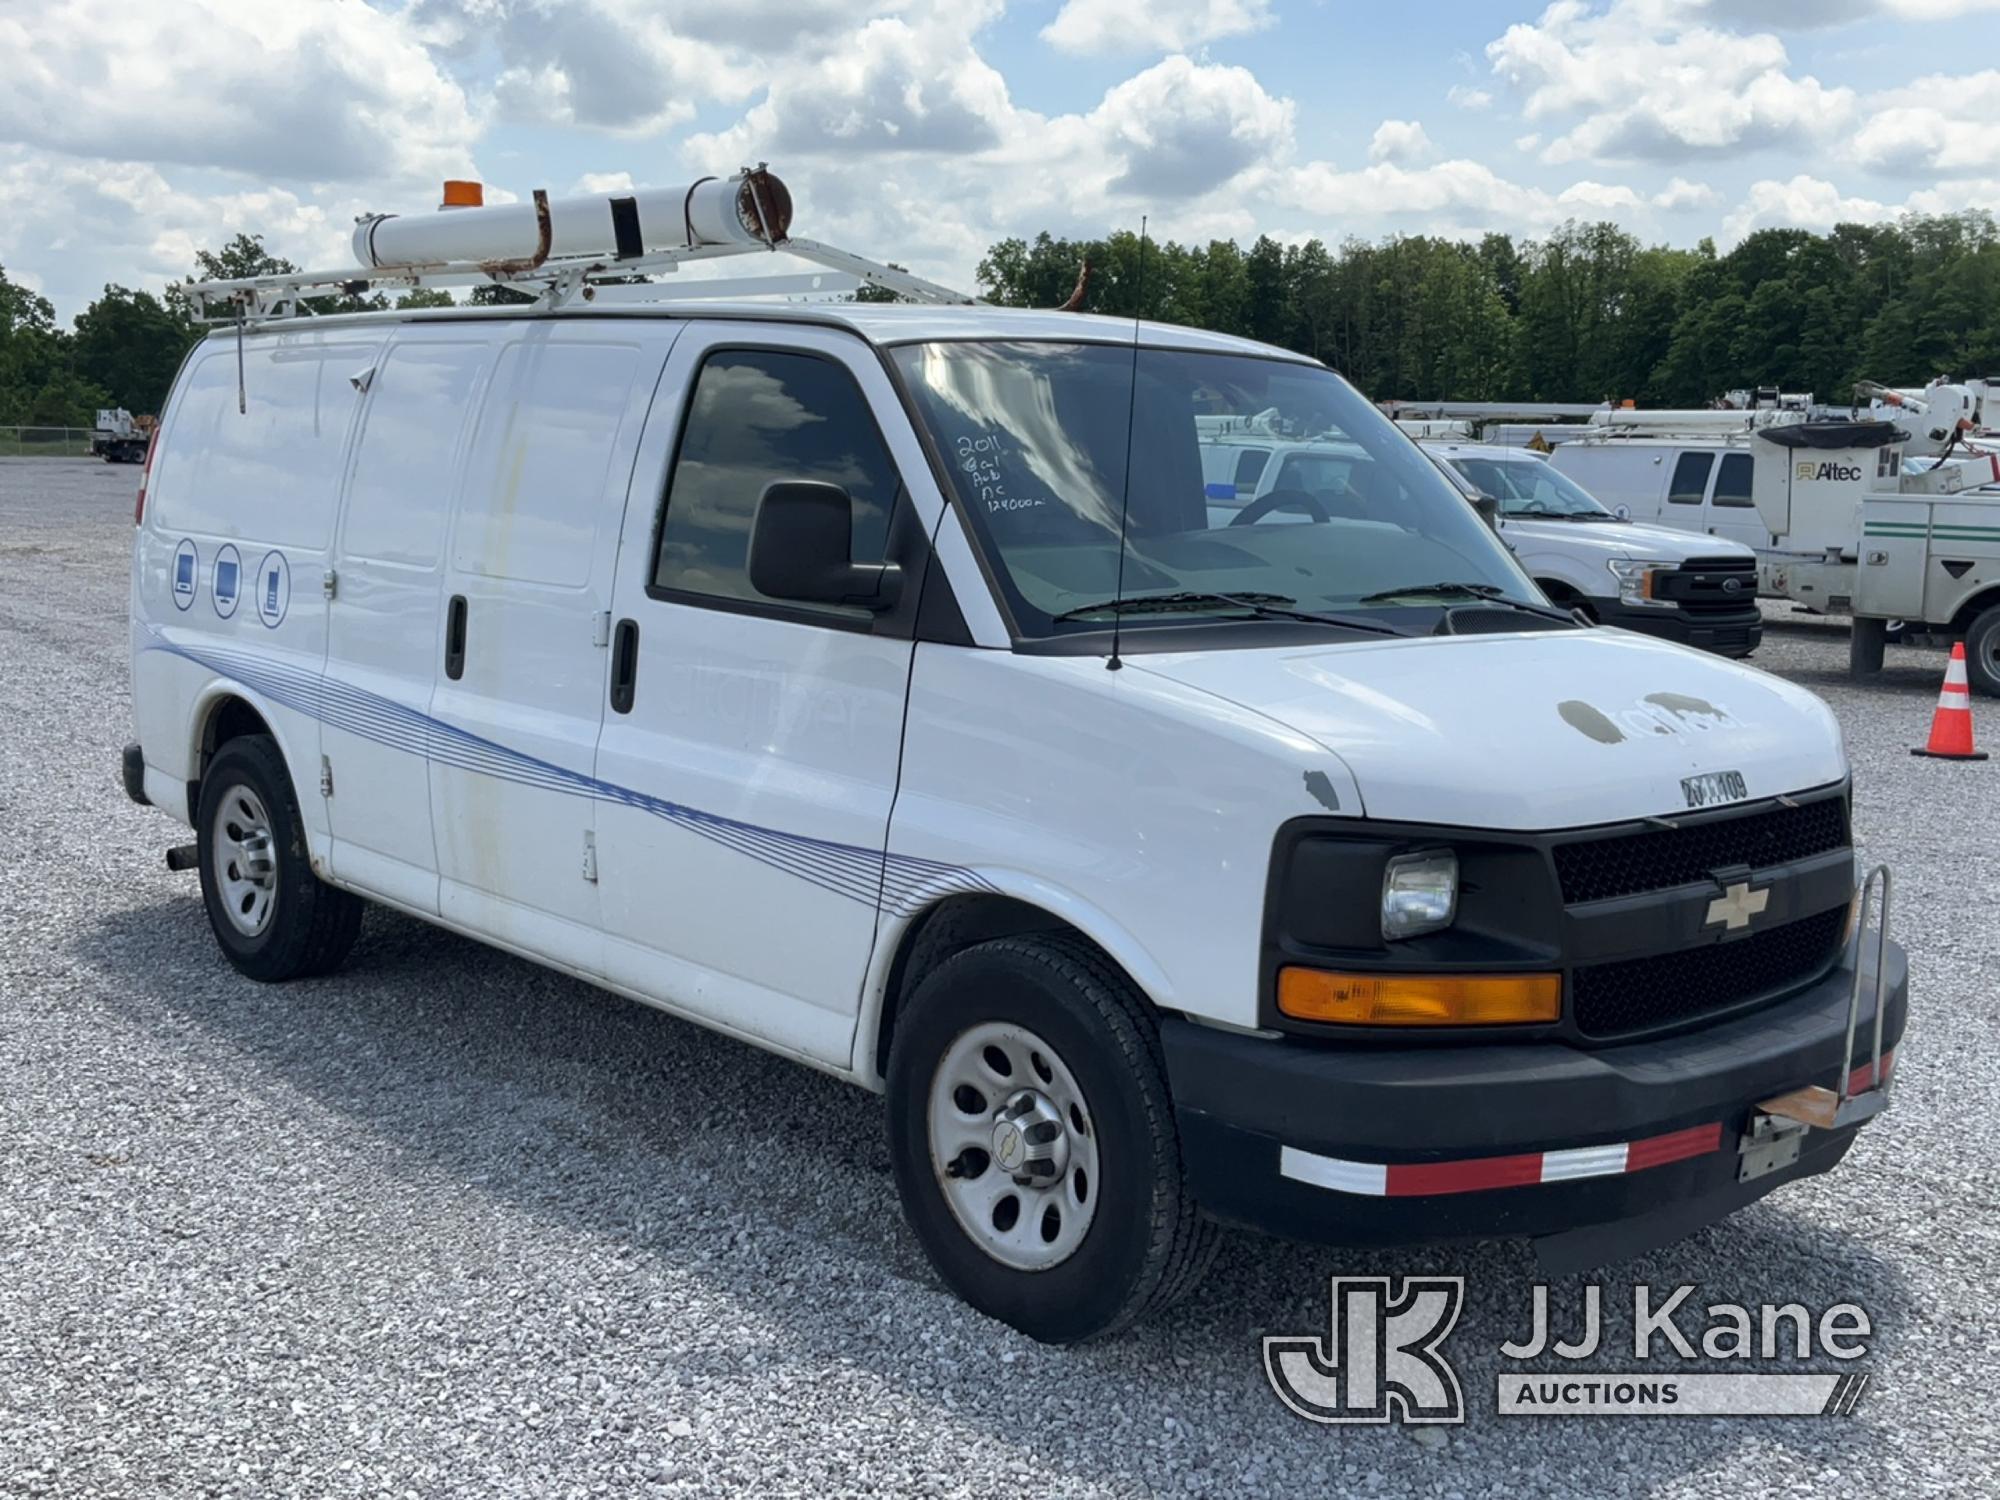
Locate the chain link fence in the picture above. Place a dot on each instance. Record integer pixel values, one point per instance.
(45, 442)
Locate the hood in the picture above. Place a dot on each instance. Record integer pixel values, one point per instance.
(1620, 539)
(1532, 731)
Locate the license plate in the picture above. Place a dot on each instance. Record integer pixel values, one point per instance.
(1712, 788)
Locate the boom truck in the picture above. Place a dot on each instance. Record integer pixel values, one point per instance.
(120, 437)
(1893, 522)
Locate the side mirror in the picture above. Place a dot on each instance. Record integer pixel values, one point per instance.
(1489, 510)
(802, 548)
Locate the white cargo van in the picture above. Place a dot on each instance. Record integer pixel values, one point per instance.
(1691, 481)
(874, 684)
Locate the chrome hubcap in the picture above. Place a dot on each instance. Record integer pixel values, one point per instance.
(245, 853)
(1014, 1146)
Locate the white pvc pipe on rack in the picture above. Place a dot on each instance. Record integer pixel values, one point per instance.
(748, 209)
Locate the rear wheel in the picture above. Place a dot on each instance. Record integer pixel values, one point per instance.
(1034, 1143)
(272, 917)
(1982, 652)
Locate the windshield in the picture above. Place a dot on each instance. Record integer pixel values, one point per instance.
(1529, 487)
(1252, 480)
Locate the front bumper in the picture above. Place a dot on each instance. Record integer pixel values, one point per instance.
(1634, 1145)
(1731, 633)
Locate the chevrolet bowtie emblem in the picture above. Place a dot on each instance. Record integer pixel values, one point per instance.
(1736, 906)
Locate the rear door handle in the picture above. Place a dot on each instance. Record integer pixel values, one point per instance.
(454, 638)
(624, 665)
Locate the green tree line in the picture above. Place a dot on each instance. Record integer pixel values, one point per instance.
(1587, 313)
(1584, 314)
(127, 345)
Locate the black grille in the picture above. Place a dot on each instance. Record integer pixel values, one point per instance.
(1658, 858)
(1643, 994)
(1713, 585)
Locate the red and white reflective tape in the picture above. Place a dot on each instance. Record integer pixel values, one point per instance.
(1479, 1174)
(1956, 692)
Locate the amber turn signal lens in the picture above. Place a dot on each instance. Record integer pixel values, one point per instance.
(1419, 999)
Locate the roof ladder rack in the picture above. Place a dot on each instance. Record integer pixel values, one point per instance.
(587, 249)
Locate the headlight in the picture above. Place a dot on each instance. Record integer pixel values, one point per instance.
(1635, 580)
(1419, 893)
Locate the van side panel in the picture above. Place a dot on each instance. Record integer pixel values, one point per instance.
(530, 551)
(235, 544)
(384, 629)
(1625, 478)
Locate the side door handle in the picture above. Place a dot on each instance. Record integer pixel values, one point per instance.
(624, 665)
(454, 638)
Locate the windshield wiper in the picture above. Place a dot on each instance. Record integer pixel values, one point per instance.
(1485, 593)
(1134, 604)
(1262, 606)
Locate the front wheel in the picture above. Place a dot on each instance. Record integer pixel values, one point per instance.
(273, 918)
(1034, 1143)
(1982, 652)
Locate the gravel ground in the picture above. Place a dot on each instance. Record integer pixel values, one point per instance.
(446, 1224)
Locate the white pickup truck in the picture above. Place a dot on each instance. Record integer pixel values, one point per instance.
(1697, 590)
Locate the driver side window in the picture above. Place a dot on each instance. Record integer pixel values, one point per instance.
(759, 416)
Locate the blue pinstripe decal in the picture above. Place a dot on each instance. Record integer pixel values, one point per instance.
(901, 883)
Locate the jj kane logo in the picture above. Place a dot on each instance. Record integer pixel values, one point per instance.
(1383, 1358)
(1381, 1361)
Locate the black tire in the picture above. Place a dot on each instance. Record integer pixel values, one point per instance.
(1147, 1244)
(1982, 652)
(312, 925)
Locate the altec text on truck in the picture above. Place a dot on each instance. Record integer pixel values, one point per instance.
(754, 661)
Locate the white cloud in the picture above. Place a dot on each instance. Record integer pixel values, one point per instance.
(1151, 25)
(103, 215)
(1680, 195)
(1449, 193)
(620, 65)
(1184, 127)
(1804, 15)
(895, 84)
(1599, 199)
(1400, 141)
(1178, 129)
(316, 92)
(1808, 202)
(1937, 124)
(1649, 86)
(1801, 202)
(1469, 98)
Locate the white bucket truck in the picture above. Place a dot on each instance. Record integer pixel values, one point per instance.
(877, 684)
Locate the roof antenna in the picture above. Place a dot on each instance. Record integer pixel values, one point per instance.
(1131, 414)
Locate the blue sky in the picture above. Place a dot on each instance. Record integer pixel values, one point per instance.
(921, 130)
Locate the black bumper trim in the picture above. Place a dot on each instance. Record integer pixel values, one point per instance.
(1238, 1099)
(1728, 633)
(133, 768)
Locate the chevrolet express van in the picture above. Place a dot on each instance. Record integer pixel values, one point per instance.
(874, 684)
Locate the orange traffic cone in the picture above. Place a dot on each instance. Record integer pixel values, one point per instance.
(1951, 725)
